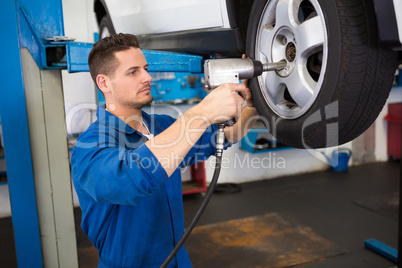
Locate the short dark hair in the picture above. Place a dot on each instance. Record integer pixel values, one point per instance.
(101, 59)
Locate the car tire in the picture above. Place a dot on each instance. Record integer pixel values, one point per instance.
(106, 27)
(338, 75)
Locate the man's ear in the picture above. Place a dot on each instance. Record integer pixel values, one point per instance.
(103, 83)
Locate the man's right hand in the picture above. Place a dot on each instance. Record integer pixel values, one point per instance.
(222, 103)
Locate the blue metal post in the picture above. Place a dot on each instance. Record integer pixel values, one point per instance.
(383, 249)
(14, 121)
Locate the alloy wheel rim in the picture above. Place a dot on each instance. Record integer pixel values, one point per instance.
(295, 31)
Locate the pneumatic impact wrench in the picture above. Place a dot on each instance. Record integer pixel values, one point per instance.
(217, 72)
(221, 71)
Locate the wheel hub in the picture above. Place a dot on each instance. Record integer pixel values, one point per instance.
(290, 52)
(284, 48)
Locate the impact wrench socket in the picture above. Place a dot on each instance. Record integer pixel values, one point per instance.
(221, 71)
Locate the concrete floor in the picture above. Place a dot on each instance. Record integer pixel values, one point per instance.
(326, 202)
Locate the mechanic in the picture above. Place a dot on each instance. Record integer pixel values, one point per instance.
(126, 165)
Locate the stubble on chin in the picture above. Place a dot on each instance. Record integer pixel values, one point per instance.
(136, 104)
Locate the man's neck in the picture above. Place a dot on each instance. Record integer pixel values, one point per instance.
(132, 117)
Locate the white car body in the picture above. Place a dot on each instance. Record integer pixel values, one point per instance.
(149, 17)
(398, 15)
(156, 16)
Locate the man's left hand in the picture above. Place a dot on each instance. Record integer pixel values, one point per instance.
(247, 95)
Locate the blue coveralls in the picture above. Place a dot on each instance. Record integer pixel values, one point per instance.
(131, 211)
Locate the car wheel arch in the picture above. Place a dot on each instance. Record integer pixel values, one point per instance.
(101, 11)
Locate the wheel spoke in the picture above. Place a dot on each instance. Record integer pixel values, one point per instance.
(286, 12)
(300, 87)
(265, 41)
(272, 83)
(309, 36)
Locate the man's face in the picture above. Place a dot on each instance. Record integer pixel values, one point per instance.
(131, 83)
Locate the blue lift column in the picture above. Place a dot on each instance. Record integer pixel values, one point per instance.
(14, 121)
(35, 140)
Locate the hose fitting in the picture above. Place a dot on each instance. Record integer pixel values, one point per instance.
(220, 140)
